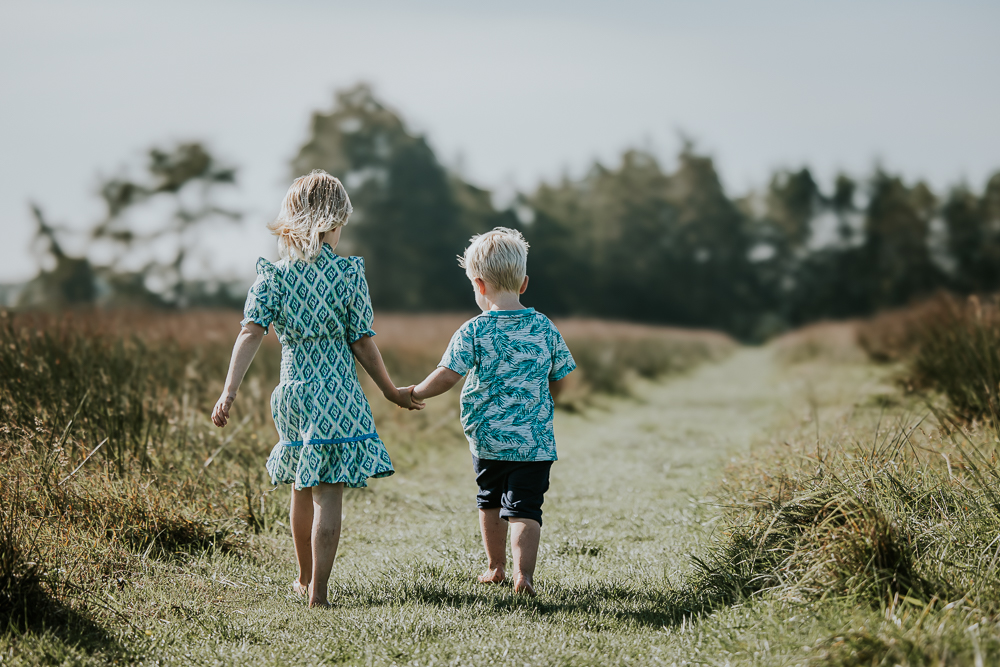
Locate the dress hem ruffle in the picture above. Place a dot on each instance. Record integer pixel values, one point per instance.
(305, 464)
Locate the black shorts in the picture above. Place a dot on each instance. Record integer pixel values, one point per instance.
(516, 487)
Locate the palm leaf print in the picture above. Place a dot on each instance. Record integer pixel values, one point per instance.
(509, 438)
(519, 394)
(524, 414)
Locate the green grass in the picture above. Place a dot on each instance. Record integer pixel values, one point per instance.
(742, 513)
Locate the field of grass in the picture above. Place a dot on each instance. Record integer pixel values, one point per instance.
(791, 504)
(114, 483)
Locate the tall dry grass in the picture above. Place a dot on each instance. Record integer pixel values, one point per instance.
(948, 344)
(894, 335)
(609, 354)
(836, 342)
(109, 458)
(897, 520)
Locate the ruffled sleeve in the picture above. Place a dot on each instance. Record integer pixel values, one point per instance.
(359, 310)
(264, 299)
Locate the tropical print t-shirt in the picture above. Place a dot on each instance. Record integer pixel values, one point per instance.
(508, 358)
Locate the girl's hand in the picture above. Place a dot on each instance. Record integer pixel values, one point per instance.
(414, 403)
(220, 415)
(403, 397)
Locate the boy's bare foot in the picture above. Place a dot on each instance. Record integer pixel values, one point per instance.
(523, 585)
(318, 600)
(300, 589)
(496, 576)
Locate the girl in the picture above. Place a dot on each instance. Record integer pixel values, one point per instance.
(319, 305)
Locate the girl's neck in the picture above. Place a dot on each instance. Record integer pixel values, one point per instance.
(332, 238)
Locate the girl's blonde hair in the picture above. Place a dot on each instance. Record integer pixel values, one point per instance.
(313, 205)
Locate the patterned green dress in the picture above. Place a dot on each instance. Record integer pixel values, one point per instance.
(324, 422)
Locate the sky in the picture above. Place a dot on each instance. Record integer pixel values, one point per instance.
(508, 94)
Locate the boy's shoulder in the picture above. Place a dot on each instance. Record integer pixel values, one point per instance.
(526, 322)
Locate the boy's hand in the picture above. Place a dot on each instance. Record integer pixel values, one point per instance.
(220, 414)
(403, 397)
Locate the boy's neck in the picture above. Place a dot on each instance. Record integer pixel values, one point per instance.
(502, 301)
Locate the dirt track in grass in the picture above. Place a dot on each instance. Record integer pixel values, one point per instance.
(630, 502)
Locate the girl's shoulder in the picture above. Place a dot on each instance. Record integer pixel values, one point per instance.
(266, 268)
(351, 264)
(329, 264)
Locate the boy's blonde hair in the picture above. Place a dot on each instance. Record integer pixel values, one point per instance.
(498, 257)
(313, 205)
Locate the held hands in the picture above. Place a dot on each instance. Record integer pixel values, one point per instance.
(220, 414)
(403, 397)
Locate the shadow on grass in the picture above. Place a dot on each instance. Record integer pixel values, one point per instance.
(35, 611)
(33, 616)
(610, 603)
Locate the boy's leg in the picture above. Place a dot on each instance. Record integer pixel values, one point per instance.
(490, 477)
(524, 537)
(522, 501)
(327, 506)
(494, 530)
(300, 518)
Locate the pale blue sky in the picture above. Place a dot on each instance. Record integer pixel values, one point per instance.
(510, 94)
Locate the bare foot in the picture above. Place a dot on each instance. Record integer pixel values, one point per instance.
(300, 589)
(316, 600)
(523, 585)
(496, 576)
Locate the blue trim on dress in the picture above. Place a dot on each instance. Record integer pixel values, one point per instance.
(328, 441)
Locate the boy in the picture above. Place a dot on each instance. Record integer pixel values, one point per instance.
(514, 361)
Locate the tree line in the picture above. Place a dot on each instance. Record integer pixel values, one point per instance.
(632, 241)
(637, 242)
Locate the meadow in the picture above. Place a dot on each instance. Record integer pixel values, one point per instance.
(830, 498)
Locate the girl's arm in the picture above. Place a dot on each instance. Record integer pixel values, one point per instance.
(439, 381)
(366, 352)
(247, 344)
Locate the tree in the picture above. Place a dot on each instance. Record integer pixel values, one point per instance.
(896, 249)
(411, 217)
(183, 179)
(70, 281)
(973, 226)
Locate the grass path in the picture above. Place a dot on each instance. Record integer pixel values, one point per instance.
(639, 471)
(626, 508)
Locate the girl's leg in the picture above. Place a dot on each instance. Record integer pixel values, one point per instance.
(524, 536)
(300, 517)
(494, 530)
(327, 506)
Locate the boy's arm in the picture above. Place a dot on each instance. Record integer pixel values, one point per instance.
(556, 387)
(247, 344)
(439, 381)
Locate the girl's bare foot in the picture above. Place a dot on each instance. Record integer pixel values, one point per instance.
(300, 589)
(495, 576)
(320, 604)
(523, 585)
